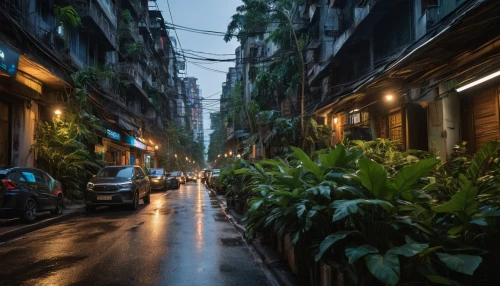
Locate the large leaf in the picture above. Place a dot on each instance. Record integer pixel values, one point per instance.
(373, 176)
(462, 263)
(409, 249)
(481, 158)
(384, 268)
(336, 158)
(409, 175)
(307, 163)
(462, 202)
(345, 208)
(329, 241)
(354, 254)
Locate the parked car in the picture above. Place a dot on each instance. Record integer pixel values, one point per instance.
(26, 191)
(172, 182)
(191, 177)
(206, 176)
(118, 185)
(158, 179)
(214, 179)
(179, 176)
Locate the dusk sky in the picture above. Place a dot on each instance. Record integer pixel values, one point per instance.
(213, 15)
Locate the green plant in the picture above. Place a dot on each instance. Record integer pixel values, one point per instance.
(377, 212)
(126, 16)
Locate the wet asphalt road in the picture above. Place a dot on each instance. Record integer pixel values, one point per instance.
(181, 238)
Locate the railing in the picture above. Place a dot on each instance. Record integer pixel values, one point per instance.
(86, 9)
(136, 72)
(109, 9)
(131, 30)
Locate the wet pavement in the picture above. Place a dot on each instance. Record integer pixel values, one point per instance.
(181, 238)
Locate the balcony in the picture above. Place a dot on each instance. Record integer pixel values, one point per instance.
(93, 19)
(110, 10)
(160, 46)
(130, 31)
(135, 74)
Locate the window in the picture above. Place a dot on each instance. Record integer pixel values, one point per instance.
(116, 172)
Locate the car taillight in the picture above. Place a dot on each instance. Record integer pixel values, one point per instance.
(9, 184)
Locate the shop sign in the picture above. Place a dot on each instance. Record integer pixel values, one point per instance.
(134, 142)
(9, 59)
(113, 134)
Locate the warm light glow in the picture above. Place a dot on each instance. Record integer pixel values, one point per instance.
(389, 97)
(194, 162)
(239, 156)
(58, 112)
(230, 153)
(175, 156)
(481, 80)
(335, 120)
(156, 147)
(225, 155)
(218, 156)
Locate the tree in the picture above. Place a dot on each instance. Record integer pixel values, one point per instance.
(287, 68)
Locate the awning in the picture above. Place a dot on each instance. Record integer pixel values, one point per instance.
(128, 126)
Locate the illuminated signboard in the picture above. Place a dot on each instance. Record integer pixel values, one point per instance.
(113, 135)
(9, 58)
(134, 142)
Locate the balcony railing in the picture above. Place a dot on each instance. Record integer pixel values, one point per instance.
(87, 9)
(110, 10)
(130, 30)
(136, 73)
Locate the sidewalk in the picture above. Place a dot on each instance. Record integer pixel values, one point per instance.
(12, 228)
(269, 256)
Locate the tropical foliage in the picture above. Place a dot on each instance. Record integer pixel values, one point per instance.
(384, 215)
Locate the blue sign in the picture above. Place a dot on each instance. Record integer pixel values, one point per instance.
(134, 142)
(9, 59)
(113, 135)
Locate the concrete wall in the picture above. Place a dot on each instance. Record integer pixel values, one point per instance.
(23, 133)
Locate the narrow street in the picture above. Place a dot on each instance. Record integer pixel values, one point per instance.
(181, 238)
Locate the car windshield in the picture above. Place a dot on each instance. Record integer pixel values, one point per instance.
(116, 172)
(158, 172)
(175, 174)
(190, 174)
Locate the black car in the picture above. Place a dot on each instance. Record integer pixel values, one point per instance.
(118, 185)
(172, 182)
(26, 191)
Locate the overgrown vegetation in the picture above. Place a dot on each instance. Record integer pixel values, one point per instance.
(386, 216)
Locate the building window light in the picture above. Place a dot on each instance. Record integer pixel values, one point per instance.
(479, 81)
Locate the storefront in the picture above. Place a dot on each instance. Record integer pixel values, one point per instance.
(137, 150)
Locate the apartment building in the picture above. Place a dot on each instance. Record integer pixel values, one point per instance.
(127, 38)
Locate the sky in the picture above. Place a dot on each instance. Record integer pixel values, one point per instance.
(213, 15)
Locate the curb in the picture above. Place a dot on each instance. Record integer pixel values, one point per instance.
(278, 269)
(6, 236)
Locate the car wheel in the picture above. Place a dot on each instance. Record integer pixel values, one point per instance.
(147, 198)
(90, 209)
(135, 203)
(59, 206)
(29, 214)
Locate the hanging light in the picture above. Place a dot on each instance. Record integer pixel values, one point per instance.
(389, 97)
(335, 120)
(476, 82)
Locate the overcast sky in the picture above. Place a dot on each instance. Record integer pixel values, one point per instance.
(213, 15)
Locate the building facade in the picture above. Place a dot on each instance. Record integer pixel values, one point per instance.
(134, 100)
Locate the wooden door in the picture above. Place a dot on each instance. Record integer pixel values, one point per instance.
(486, 117)
(396, 127)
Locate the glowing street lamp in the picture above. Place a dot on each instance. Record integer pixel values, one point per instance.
(389, 97)
(58, 112)
(175, 155)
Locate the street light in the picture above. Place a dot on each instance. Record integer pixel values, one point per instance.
(156, 147)
(218, 156)
(389, 97)
(230, 153)
(58, 112)
(175, 155)
(225, 155)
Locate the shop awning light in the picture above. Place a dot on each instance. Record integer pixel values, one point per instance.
(481, 80)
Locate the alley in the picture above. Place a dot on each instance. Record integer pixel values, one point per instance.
(181, 238)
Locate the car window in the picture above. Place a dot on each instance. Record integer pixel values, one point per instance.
(176, 174)
(116, 172)
(157, 172)
(138, 171)
(27, 176)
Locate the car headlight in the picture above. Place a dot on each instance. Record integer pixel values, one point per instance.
(90, 185)
(159, 177)
(125, 186)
